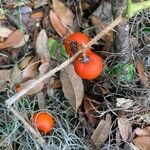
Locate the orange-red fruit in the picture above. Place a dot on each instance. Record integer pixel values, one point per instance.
(90, 69)
(74, 42)
(43, 121)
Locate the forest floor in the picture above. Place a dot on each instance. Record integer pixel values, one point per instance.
(37, 74)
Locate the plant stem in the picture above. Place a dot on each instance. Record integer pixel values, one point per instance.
(133, 8)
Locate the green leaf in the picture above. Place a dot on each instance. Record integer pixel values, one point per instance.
(123, 72)
(53, 45)
(146, 29)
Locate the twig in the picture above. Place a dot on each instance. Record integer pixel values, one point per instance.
(11, 100)
(38, 137)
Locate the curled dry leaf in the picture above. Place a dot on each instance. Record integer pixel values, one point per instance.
(23, 41)
(142, 74)
(64, 13)
(14, 38)
(41, 46)
(24, 62)
(44, 67)
(102, 131)
(89, 109)
(57, 24)
(142, 142)
(16, 76)
(56, 84)
(72, 86)
(124, 127)
(5, 32)
(31, 70)
(37, 15)
(143, 132)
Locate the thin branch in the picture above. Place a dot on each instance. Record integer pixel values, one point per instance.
(11, 100)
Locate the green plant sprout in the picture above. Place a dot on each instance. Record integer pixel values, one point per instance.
(133, 8)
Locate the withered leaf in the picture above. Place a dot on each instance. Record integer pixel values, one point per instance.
(41, 46)
(12, 40)
(5, 74)
(23, 41)
(57, 24)
(142, 73)
(64, 13)
(56, 84)
(142, 142)
(24, 62)
(5, 32)
(72, 86)
(44, 67)
(16, 75)
(143, 132)
(37, 15)
(124, 127)
(89, 110)
(101, 133)
(31, 70)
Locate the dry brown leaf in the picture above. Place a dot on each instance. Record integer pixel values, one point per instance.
(124, 127)
(34, 90)
(31, 70)
(5, 32)
(12, 40)
(89, 110)
(142, 74)
(44, 67)
(41, 46)
(37, 15)
(5, 75)
(16, 75)
(57, 24)
(64, 13)
(23, 41)
(72, 86)
(24, 62)
(142, 142)
(56, 84)
(102, 131)
(143, 132)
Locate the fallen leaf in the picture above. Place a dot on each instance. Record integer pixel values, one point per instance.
(124, 127)
(57, 24)
(5, 75)
(43, 68)
(143, 132)
(24, 62)
(72, 86)
(14, 38)
(56, 84)
(146, 117)
(142, 142)
(64, 13)
(124, 103)
(34, 90)
(41, 46)
(89, 111)
(16, 76)
(5, 32)
(102, 131)
(31, 70)
(142, 74)
(37, 15)
(23, 41)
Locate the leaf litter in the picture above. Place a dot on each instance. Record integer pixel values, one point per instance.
(124, 86)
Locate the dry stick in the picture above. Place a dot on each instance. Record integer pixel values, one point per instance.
(11, 100)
